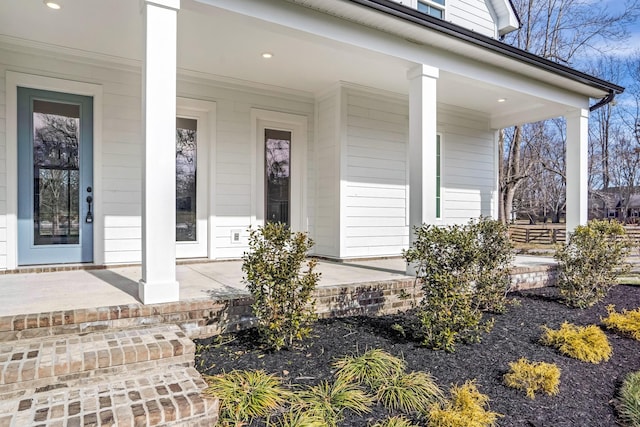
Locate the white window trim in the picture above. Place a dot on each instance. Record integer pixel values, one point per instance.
(298, 126)
(434, 5)
(13, 81)
(205, 113)
(440, 141)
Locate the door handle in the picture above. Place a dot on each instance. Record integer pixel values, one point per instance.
(89, 218)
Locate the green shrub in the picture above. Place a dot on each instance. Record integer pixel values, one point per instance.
(466, 408)
(587, 343)
(627, 322)
(328, 401)
(628, 402)
(281, 291)
(590, 261)
(245, 395)
(533, 376)
(463, 271)
(493, 257)
(398, 421)
(370, 368)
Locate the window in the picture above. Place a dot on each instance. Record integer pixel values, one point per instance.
(56, 204)
(277, 170)
(438, 175)
(186, 145)
(434, 8)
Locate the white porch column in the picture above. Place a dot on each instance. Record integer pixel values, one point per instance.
(577, 168)
(158, 283)
(422, 147)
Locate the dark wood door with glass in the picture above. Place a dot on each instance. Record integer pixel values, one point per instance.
(55, 177)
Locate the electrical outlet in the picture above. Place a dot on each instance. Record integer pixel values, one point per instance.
(235, 236)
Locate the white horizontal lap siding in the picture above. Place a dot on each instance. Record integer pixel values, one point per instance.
(375, 199)
(122, 170)
(469, 168)
(3, 174)
(471, 14)
(233, 156)
(121, 144)
(121, 152)
(326, 199)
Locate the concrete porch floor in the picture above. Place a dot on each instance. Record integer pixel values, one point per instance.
(22, 293)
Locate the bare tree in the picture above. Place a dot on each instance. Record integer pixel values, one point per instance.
(561, 31)
(626, 172)
(543, 192)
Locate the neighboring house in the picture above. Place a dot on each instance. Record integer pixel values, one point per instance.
(602, 204)
(621, 203)
(350, 119)
(628, 209)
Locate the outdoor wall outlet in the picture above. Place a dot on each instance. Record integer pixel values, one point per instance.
(235, 236)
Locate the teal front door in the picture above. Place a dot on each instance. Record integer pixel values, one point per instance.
(55, 177)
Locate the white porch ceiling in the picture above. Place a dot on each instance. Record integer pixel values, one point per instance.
(221, 43)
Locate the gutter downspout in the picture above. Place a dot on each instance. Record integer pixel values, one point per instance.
(604, 101)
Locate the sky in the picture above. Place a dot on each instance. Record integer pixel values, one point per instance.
(633, 44)
(630, 48)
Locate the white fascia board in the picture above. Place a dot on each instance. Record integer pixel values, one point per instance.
(530, 116)
(507, 18)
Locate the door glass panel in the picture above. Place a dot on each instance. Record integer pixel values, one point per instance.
(278, 174)
(56, 175)
(186, 142)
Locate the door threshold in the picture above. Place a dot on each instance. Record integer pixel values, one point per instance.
(51, 268)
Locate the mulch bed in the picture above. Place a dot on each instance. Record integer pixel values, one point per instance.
(587, 391)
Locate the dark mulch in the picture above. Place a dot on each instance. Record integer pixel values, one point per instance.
(587, 391)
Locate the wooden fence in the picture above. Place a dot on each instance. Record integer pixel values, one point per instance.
(537, 234)
(547, 235)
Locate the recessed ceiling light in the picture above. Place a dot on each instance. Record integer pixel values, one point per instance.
(502, 100)
(267, 55)
(52, 5)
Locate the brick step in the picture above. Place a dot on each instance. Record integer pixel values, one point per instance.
(41, 362)
(200, 317)
(167, 396)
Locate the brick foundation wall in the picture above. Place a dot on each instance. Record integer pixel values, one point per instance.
(206, 317)
(533, 277)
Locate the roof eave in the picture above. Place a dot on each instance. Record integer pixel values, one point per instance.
(408, 14)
